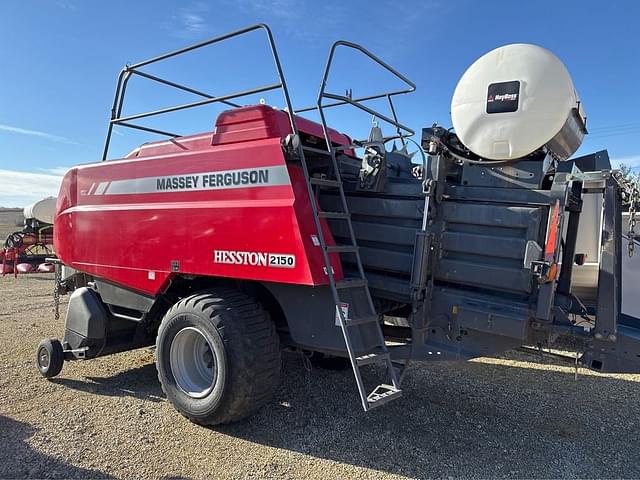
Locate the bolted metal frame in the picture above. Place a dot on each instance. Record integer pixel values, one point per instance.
(609, 300)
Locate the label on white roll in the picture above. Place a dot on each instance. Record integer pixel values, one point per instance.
(503, 97)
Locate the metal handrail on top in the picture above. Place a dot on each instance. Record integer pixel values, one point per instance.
(357, 102)
(129, 70)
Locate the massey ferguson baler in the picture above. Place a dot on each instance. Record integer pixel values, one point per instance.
(275, 232)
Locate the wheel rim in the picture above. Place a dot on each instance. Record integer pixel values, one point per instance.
(43, 358)
(193, 363)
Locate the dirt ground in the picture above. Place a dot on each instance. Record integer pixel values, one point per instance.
(513, 417)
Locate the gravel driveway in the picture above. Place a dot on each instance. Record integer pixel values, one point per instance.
(513, 416)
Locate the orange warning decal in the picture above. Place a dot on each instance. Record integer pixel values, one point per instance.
(552, 236)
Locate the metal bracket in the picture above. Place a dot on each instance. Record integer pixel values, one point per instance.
(532, 254)
(610, 273)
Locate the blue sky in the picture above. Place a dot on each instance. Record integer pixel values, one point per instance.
(59, 60)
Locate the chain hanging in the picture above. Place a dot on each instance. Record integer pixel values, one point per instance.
(56, 291)
(630, 191)
(632, 226)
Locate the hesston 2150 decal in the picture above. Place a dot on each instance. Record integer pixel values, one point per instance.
(255, 259)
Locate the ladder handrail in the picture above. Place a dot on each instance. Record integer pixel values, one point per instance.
(368, 400)
(129, 70)
(347, 99)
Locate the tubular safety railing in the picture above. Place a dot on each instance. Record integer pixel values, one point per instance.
(132, 70)
(358, 102)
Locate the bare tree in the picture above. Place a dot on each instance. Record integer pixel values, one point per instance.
(629, 175)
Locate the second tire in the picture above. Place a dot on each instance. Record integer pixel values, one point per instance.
(218, 356)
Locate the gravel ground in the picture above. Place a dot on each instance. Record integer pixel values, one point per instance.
(497, 417)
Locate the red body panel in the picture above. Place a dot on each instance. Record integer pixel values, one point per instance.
(117, 220)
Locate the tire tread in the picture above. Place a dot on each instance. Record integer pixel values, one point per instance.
(252, 346)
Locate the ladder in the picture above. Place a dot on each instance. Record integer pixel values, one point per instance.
(356, 286)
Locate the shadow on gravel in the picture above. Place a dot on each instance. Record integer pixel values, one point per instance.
(19, 460)
(140, 382)
(462, 420)
(466, 420)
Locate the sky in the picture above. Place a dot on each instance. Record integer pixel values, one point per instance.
(59, 60)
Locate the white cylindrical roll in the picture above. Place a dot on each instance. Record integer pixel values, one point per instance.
(514, 100)
(43, 210)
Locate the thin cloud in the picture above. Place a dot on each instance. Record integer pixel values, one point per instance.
(18, 189)
(67, 6)
(193, 23)
(332, 20)
(190, 22)
(36, 133)
(59, 171)
(282, 9)
(328, 17)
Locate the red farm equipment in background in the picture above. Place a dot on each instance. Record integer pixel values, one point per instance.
(27, 250)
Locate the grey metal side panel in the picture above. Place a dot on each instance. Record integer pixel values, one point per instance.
(483, 275)
(391, 210)
(502, 195)
(483, 245)
(311, 318)
(493, 322)
(385, 226)
(388, 260)
(86, 315)
(610, 274)
(523, 174)
(490, 215)
(622, 356)
(377, 232)
(465, 325)
(114, 295)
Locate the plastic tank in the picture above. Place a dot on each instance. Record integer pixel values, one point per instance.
(43, 210)
(515, 100)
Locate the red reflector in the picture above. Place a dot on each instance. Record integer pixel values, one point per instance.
(552, 236)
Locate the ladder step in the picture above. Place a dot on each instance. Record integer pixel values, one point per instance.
(323, 182)
(351, 283)
(373, 357)
(319, 151)
(352, 322)
(383, 394)
(342, 249)
(334, 215)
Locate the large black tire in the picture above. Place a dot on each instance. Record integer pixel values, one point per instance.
(242, 356)
(49, 357)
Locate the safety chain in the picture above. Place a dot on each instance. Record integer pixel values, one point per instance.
(56, 291)
(632, 226)
(631, 197)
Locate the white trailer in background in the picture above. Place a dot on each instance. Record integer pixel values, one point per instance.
(27, 250)
(43, 211)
